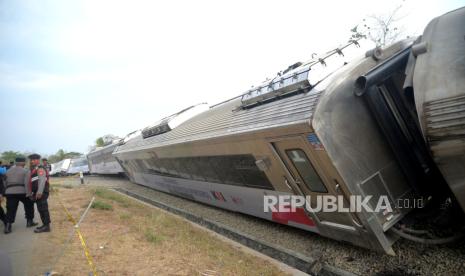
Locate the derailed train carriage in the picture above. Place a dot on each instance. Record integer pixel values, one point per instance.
(376, 126)
(79, 165)
(101, 160)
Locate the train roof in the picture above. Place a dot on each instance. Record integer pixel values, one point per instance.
(105, 149)
(227, 119)
(236, 117)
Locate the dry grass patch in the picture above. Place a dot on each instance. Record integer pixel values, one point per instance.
(132, 238)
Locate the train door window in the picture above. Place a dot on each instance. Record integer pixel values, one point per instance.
(306, 171)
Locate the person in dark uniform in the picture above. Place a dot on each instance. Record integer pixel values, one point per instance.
(40, 190)
(16, 190)
(46, 165)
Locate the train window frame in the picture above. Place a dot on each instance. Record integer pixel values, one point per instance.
(309, 185)
(206, 168)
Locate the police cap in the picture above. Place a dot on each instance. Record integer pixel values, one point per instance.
(34, 156)
(20, 159)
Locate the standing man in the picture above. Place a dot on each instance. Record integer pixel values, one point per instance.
(16, 190)
(40, 189)
(47, 168)
(46, 165)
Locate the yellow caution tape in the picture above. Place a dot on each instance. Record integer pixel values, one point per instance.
(81, 238)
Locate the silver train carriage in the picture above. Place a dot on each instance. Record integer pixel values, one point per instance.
(314, 130)
(78, 165)
(60, 168)
(101, 160)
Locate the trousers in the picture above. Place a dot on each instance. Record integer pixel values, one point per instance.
(12, 202)
(2, 215)
(42, 207)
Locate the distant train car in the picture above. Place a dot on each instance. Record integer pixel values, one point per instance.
(60, 168)
(78, 165)
(101, 160)
(327, 127)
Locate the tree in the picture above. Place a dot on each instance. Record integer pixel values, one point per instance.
(99, 142)
(8, 156)
(382, 29)
(61, 155)
(72, 154)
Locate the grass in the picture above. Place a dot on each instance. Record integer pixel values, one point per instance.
(125, 216)
(100, 205)
(67, 186)
(148, 240)
(110, 195)
(151, 237)
(56, 187)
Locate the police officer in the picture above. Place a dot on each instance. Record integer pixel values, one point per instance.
(46, 165)
(40, 190)
(16, 190)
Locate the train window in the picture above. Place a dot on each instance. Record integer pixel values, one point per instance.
(152, 166)
(227, 166)
(135, 166)
(207, 169)
(168, 166)
(306, 170)
(159, 166)
(251, 174)
(141, 165)
(193, 169)
(181, 170)
(228, 169)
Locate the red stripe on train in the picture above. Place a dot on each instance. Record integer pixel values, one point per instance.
(298, 216)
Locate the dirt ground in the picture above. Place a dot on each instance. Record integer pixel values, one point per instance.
(126, 237)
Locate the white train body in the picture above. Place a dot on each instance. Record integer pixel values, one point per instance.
(78, 165)
(101, 160)
(60, 168)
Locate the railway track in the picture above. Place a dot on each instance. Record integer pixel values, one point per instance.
(305, 251)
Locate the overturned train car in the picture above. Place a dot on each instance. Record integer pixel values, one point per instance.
(325, 127)
(101, 160)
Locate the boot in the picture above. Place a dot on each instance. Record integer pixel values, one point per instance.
(31, 223)
(7, 228)
(42, 229)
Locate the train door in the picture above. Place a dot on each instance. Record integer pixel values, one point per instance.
(313, 178)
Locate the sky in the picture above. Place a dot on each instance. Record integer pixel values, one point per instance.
(72, 71)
